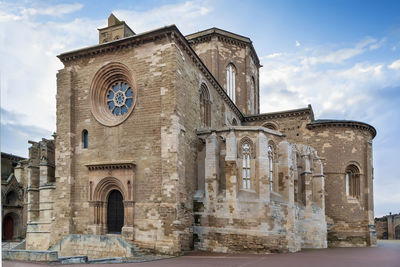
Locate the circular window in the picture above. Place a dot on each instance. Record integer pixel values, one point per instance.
(120, 98)
(112, 94)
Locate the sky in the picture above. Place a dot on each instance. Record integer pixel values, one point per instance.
(341, 56)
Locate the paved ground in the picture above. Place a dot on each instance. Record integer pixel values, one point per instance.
(387, 254)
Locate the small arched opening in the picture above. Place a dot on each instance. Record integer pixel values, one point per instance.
(85, 139)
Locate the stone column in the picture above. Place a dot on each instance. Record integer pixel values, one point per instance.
(211, 171)
(285, 175)
(262, 169)
(318, 183)
(286, 189)
(231, 170)
(307, 176)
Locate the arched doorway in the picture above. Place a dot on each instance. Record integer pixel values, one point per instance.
(115, 212)
(8, 227)
(397, 232)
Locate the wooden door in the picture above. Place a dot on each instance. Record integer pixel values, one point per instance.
(8, 228)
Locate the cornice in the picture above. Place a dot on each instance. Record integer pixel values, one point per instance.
(280, 114)
(111, 165)
(342, 123)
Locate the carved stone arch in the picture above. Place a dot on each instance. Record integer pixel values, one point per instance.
(229, 62)
(271, 125)
(105, 186)
(13, 185)
(272, 144)
(203, 83)
(353, 165)
(247, 140)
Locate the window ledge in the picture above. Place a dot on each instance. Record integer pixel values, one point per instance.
(247, 193)
(353, 200)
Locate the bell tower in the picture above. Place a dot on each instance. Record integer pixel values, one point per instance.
(115, 30)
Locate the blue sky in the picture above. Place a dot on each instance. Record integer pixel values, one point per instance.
(343, 57)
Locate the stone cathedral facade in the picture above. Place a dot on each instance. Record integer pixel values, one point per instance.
(160, 142)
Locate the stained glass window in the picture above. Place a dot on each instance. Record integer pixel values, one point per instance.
(120, 98)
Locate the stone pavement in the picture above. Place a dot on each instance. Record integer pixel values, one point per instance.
(387, 254)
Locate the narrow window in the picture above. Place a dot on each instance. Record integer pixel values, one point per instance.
(230, 82)
(352, 181)
(252, 92)
(246, 165)
(271, 167)
(205, 106)
(85, 139)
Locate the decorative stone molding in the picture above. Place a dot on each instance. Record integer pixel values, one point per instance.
(281, 114)
(111, 166)
(246, 140)
(342, 123)
(103, 84)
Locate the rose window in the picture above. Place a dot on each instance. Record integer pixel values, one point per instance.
(113, 94)
(120, 98)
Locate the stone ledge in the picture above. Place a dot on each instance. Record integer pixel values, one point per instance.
(30, 255)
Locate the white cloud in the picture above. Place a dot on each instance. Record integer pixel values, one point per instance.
(53, 11)
(343, 54)
(184, 15)
(297, 43)
(395, 65)
(274, 55)
(29, 63)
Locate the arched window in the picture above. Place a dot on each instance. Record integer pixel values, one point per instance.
(205, 107)
(234, 122)
(271, 167)
(85, 139)
(352, 181)
(252, 94)
(246, 152)
(231, 82)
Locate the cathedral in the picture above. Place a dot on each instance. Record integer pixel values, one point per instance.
(160, 144)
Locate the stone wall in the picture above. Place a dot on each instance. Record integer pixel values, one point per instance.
(217, 49)
(263, 217)
(339, 144)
